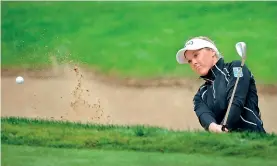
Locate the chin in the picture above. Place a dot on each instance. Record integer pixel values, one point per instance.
(203, 72)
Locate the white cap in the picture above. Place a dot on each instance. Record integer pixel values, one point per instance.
(193, 44)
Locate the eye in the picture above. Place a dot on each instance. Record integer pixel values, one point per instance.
(189, 61)
(195, 55)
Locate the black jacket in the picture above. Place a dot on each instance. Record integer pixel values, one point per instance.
(212, 98)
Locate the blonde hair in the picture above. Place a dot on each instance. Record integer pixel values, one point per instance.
(218, 54)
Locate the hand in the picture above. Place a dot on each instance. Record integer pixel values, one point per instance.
(216, 128)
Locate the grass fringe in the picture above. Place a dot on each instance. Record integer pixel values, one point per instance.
(65, 134)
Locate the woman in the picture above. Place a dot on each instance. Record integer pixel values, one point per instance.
(212, 98)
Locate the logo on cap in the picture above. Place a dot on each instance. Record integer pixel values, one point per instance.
(189, 43)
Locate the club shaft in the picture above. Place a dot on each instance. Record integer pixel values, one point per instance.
(233, 94)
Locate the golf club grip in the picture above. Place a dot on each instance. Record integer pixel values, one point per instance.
(224, 127)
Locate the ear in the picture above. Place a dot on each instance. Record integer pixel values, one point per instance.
(214, 53)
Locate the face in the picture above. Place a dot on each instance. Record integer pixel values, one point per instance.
(201, 60)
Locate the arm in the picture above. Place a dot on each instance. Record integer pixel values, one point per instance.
(240, 93)
(204, 114)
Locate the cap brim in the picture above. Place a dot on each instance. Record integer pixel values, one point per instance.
(180, 56)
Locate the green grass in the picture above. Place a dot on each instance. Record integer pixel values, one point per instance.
(32, 132)
(34, 156)
(137, 39)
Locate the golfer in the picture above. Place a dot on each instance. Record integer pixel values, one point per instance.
(212, 98)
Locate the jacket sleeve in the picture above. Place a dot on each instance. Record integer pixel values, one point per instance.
(204, 114)
(240, 93)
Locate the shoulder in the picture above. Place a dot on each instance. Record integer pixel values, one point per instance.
(235, 63)
(231, 66)
(234, 66)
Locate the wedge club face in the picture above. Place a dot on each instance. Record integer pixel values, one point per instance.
(241, 49)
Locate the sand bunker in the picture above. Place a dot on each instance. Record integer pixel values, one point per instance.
(70, 93)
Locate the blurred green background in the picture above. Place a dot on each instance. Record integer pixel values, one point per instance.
(138, 39)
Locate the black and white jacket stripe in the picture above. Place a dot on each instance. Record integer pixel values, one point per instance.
(212, 98)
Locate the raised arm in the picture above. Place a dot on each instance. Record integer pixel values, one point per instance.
(204, 114)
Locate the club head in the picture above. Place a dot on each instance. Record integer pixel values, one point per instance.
(241, 49)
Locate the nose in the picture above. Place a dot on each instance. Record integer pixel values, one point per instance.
(193, 61)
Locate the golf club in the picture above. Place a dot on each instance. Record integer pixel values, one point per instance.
(241, 50)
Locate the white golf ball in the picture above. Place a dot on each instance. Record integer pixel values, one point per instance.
(19, 80)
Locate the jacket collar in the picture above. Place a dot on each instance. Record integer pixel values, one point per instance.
(214, 71)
